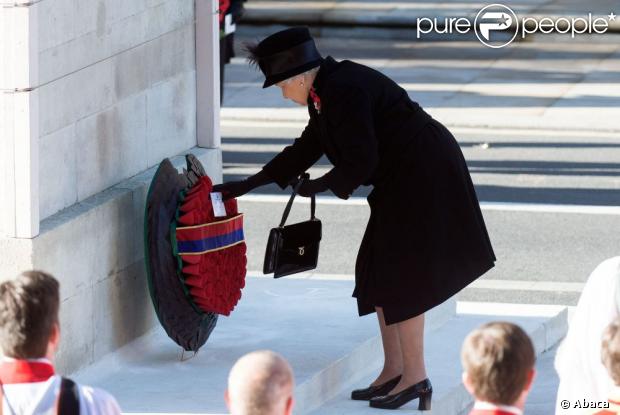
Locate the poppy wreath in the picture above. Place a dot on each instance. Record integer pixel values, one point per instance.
(183, 321)
(210, 251)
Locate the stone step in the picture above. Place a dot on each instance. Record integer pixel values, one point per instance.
(312, 323)
(545, 324)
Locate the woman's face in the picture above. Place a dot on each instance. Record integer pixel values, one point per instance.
(296, 89)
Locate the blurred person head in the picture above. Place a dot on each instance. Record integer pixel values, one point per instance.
(610, 353)
(260, 383)
(498, 361)
(29, 327)
(289, 59)
(578, 359)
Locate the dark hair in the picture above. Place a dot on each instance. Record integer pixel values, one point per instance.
(29, 307)
(610, 353)
(498, 357)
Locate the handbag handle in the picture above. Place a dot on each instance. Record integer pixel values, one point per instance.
(287, 210)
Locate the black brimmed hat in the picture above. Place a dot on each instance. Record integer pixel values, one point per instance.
(284, 54)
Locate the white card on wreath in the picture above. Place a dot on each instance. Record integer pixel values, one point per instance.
(218, 205)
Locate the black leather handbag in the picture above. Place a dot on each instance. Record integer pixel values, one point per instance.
(293, 248)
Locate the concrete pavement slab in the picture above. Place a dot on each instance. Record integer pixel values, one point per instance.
(545, 326)
(313, 324)
(541, 399)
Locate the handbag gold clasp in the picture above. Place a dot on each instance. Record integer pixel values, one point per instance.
(301, 250)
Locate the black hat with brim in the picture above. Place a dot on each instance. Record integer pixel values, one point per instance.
(285, 54)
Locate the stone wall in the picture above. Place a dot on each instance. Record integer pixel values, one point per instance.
(106, 89)
(117, 92)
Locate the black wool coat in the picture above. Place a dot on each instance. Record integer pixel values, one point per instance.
(426, 238)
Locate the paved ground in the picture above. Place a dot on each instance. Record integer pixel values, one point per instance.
(404, 13)
(541, 400)
(530, 159)
(538, 124)
(549, 82)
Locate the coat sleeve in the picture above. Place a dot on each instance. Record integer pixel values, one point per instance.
(296, 158)
(351, 126)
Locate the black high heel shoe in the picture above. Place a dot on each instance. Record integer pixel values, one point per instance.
(377, 390)
(422, 390)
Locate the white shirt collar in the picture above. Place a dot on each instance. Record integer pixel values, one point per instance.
(490, 406)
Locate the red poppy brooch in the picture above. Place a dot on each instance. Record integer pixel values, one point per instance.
(315, 100)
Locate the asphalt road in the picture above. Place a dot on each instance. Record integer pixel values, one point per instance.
(543, 256)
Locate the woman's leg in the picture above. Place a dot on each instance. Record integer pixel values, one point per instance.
(393, 357)
(411, 336)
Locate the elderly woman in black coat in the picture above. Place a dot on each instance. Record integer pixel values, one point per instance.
(425, 239)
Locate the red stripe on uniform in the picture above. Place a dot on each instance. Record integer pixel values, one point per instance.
(25, 371)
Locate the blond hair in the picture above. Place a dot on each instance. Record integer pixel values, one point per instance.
(497, 358)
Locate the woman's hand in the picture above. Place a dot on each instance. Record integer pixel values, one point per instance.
(309, 188)
(234, 189)
(239, 188)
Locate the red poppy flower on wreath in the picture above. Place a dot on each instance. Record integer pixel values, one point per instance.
(316, 100)
(211, 249)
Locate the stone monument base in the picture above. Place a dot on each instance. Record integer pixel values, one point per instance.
(95, 248)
